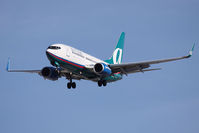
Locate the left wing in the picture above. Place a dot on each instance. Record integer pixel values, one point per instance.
(127, 68)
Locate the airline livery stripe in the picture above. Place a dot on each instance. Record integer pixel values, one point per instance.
(64, 60)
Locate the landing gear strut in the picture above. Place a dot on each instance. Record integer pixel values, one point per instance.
(102, 82)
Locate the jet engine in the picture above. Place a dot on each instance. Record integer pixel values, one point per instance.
(50, 73)
(101, 68)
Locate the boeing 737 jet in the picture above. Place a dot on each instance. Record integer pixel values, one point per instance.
(74, 64)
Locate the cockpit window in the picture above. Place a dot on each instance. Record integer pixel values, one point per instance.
(54, 47)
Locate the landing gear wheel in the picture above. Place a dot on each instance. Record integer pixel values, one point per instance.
(104, 82)
(73, 85)
(99, 83)
(69, 85)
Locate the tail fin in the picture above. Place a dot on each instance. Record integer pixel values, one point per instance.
(116, 58)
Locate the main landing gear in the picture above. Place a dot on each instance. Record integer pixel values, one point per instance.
(102, 82)
(71, 84)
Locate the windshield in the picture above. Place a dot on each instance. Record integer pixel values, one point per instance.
(54, 47)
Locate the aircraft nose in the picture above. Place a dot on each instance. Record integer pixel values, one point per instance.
(47, 52)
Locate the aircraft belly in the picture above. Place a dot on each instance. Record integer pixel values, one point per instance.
(113, 78)
(72, 67)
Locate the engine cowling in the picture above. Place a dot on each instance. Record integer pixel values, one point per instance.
(50, 73)
(101, 68)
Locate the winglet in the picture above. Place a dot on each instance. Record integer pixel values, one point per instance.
(8, 65)
(191, 51)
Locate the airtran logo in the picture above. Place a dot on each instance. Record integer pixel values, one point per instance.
(117, 56)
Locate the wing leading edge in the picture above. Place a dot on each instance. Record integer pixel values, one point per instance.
(127, 68)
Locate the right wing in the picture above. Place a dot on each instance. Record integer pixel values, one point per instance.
(63, 73)
(28, 71)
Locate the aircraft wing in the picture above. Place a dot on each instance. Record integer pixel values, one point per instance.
(28, 71)
(127, 68)
(63, 72)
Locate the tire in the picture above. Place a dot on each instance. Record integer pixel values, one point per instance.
(73, 85)
(99, 83)
(69, 85)
(104, 82)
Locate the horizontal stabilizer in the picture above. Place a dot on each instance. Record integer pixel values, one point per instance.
(145, 70)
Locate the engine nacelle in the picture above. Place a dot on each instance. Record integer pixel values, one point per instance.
(50, 73)
(101, 68)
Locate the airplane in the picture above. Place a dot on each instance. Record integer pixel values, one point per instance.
(74, 64)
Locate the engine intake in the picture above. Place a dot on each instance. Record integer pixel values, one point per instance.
(101, 68)
(50, 73)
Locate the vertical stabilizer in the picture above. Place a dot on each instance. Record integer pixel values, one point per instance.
(117, 55)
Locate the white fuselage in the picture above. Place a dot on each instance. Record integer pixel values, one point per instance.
(74, 55)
